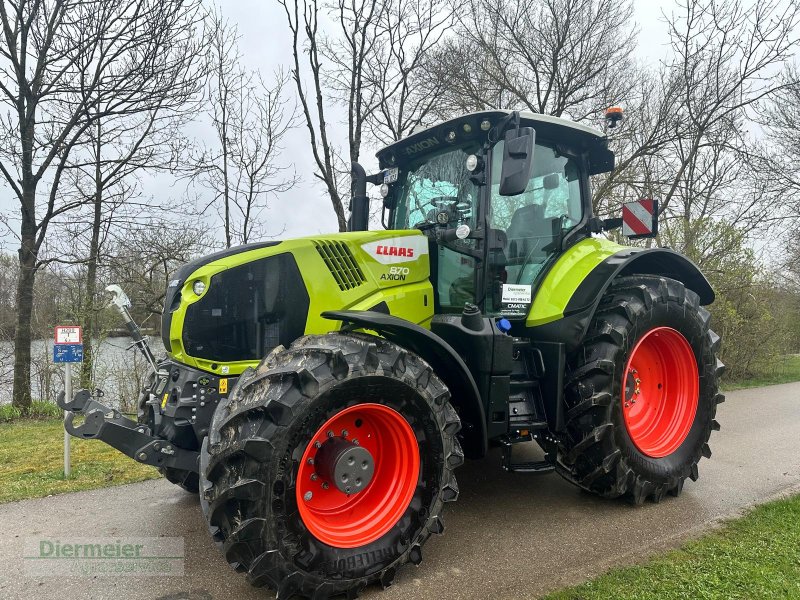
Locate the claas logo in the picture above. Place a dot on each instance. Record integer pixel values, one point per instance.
(395, 251)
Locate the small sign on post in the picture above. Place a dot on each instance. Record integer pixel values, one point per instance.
(69, 334)
(68, 349)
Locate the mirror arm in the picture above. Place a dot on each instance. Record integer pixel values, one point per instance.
(598, 225)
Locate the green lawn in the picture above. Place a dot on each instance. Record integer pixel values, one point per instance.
(31, 462)
(784, 370)
(755, 557)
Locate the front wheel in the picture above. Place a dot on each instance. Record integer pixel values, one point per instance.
(328, 467)
(642, 392)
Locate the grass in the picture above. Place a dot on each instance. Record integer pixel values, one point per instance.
(785, 370)
(31, 462)
(752, 557)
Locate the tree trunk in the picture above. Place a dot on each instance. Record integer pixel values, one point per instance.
(90, 329)
(21, 393)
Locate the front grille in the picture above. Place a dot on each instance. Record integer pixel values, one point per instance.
(340, 262)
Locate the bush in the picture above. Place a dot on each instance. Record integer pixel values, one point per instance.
(42, 409)
(9, 413)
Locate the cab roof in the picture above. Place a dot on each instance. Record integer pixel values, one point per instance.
(579, 138)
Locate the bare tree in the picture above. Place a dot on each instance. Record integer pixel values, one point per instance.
(398, 38)
(64, 65)
(105, 172)
(250, 120)
(560, 57)
(303, 26)
(369, 61)
(707, 167)
(142, 260)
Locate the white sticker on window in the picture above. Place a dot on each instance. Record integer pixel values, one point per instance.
(516, 293)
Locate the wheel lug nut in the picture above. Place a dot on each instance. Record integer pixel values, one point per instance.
(329, 434)
(325, 485)
(355, 442)
(314, 477)
(345, 433)
(307, 496)
(317, 445)
(310, 461)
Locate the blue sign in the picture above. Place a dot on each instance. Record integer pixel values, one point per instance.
(68, 353)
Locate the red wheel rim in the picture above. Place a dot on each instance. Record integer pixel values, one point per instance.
(350, 520)
(660, 389)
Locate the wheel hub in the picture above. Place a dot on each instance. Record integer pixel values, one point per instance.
(660, 392)
(357, 475)
(346, 465)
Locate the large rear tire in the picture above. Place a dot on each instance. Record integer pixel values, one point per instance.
(642, 392)
(284, 456)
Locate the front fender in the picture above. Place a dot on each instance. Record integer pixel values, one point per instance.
(444, 360)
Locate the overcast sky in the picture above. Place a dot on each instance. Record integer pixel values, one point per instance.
(265, 46)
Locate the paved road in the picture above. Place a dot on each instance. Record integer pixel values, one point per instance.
(508, 536)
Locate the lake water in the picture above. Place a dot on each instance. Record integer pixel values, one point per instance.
(119, 370)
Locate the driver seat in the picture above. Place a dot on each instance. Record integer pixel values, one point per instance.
(528, 232)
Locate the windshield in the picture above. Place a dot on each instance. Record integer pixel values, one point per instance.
(438, 184)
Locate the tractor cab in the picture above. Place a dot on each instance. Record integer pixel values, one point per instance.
(500, 195)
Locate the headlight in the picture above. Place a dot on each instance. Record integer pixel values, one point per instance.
(198, 287)
(485, 125)
(384, 189)
(472, 163)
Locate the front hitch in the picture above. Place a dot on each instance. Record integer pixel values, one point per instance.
(127, 436)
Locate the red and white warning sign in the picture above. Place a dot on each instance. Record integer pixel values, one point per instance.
(640, 218)
(69, 334)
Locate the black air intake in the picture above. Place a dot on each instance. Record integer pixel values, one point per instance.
(340, 262)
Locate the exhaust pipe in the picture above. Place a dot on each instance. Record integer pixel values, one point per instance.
(359, 203)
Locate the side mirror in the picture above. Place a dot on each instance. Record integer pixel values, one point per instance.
(640, 219)
(517, 161)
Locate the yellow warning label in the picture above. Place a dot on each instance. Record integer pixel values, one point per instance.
(223, 386)
(164, 400)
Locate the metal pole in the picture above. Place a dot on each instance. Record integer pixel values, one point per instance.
(68, 396)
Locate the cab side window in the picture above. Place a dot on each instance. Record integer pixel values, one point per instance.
(530, 222)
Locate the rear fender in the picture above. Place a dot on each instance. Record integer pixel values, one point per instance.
(444, 360)
(578, 311)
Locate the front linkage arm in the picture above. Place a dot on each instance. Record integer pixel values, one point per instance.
(127, 436)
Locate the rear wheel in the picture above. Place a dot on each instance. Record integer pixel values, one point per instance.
(642, 392)
(328, 466)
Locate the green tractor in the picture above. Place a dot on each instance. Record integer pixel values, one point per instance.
(320, 392)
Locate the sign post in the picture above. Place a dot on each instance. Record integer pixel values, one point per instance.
(68, 349)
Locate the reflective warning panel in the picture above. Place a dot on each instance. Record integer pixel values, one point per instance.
(640, 218)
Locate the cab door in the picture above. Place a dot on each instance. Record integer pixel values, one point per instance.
(525, 231)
